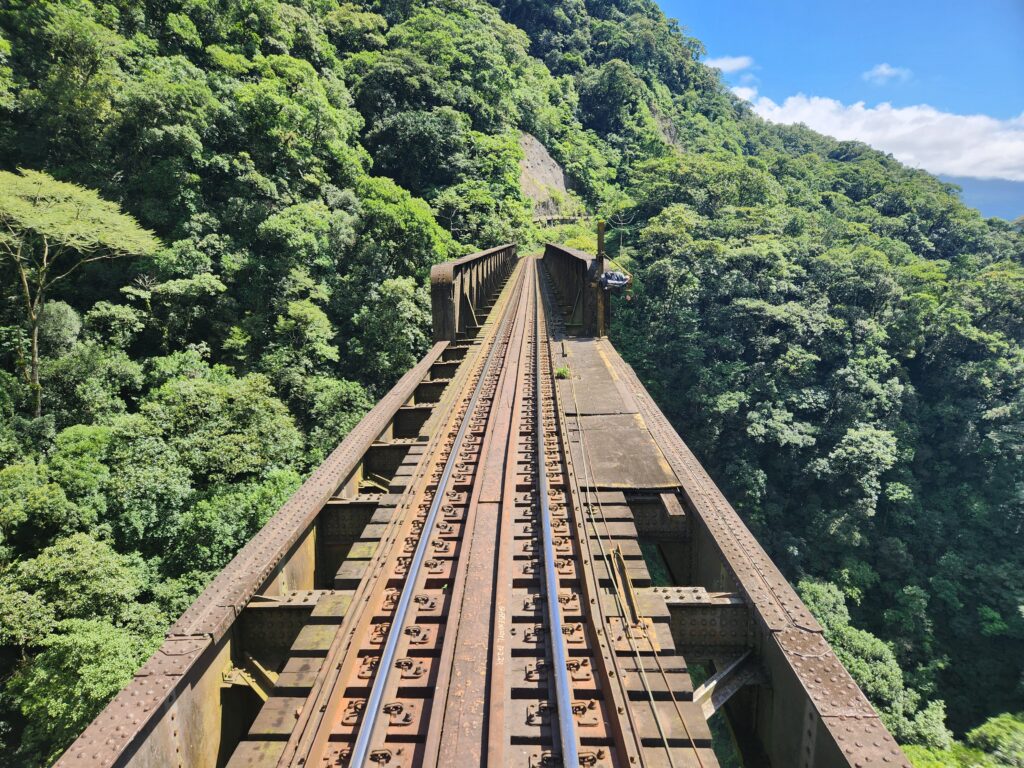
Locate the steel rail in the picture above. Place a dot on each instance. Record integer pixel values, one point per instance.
(563, 688)
(361, 748)
(498, 671)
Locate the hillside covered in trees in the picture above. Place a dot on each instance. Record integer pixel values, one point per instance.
(219, 217)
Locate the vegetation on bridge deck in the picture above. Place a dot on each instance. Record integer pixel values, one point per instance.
(836, 335)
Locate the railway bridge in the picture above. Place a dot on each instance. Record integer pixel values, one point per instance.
(513, 560)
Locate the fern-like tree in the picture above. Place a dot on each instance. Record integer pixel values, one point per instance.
(49, 229)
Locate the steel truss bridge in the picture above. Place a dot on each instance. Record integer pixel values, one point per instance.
(467, 580)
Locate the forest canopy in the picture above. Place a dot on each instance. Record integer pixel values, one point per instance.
(218, 222)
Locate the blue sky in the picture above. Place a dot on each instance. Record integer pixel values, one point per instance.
(939, 84)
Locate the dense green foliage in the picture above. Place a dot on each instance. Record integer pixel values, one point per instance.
(837, 336)
(997, 743)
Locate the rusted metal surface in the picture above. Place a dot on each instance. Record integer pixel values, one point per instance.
(216, 608)
(486, 480)
(715, 692)
(466, 579)
(323, 721)
(622, 452)
(480, 406)
(460, 289)
(708, 625)
(559, 664)
(575, 275)
(470, 631)
(606, 395)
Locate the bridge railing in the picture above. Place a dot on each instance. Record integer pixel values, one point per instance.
(576, 276)
(461, 289)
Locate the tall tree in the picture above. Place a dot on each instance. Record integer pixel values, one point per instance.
(49, 229)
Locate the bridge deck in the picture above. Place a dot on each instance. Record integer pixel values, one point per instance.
(468, 580)
(472, 673)
(608, 438)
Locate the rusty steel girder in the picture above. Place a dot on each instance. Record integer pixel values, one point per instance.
(576, 277)
(171, 705)
(460, 289)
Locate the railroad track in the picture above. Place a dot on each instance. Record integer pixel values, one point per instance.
(484, 629)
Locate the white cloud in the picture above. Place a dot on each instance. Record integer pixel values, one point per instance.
(746, 93)
(977, 146)
(729, 64)
(880, 74)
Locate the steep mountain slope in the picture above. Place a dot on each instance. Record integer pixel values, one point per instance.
(838, 337)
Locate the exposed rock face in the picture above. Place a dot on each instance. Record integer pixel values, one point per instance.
(541, 178)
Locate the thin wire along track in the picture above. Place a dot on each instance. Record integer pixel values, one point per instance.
(588, 502)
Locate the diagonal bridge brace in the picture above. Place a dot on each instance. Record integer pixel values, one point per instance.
(726, 682)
